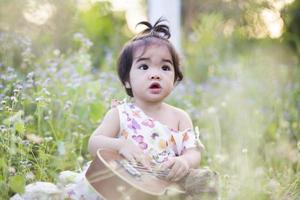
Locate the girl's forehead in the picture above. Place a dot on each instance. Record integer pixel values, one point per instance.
(151, 49)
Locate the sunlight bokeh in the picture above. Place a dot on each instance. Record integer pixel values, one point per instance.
(135, 11)
(272, 17)
(38, 13)
(273, 22)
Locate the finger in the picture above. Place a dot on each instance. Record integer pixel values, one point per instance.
(146, 163)
(177, 179)
(141, 159)
(170, 174)
(179, 174)
(129, 157)
(174, 171)
(136, 158)
(168, 164)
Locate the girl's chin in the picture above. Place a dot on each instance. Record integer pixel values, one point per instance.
(155, 91)
(156, 97)
(152, 96)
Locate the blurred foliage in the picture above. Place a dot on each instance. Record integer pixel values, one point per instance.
(291, 16)
(206, 46)
(101, 25)
(48, 114)
(242, 13)
(97, 22)
(247, 108)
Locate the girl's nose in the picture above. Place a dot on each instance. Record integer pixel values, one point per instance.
(154, 77)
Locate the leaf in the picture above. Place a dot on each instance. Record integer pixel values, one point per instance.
(61, 148)
(15, 118)
(17, 184)
(2, 163)
(96, 111)
(20, 126)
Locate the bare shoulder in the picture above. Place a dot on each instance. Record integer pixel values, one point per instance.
(113, 112)
(110, 123)
(112, 117)
(184, 119)
(178, 112)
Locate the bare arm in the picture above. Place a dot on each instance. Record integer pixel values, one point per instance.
(105, 135)
(190, 158)
(192, 155)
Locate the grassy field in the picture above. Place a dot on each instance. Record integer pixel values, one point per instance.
(246, 112)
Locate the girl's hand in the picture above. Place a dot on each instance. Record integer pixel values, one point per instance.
(133, 153)
(179, 167)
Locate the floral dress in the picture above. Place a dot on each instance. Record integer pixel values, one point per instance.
(157, 140)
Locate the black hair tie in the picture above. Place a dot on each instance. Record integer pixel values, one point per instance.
(157, 30)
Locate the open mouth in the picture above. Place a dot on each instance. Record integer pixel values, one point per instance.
(155, 86)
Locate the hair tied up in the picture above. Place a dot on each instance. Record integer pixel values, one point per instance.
(159, 30)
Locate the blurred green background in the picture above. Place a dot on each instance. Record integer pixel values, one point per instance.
(241, 60)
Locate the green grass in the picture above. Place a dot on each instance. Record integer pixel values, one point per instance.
(246, 111)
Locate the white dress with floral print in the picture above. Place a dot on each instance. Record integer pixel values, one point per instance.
(156, 139)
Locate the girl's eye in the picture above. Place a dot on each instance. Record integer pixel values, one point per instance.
(143, 67)
(166, 68)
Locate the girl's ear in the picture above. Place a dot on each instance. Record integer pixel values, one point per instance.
(127, 85)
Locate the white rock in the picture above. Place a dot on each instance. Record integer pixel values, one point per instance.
(40, 191)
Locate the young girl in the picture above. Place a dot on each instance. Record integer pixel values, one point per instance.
(146, 129)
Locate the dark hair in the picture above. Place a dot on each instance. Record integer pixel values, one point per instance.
(158, 33)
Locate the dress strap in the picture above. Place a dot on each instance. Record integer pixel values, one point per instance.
(115, 102)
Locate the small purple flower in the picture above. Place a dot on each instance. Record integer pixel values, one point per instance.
(154, 135)
(127, 115)
(131, 106)
(140, 140)
(143, 145)
(134, 125)
(149, 123)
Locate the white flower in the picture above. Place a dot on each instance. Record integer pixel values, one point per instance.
(12, 170)
(48, 139)
(67, 177)
(29, 176)
(220, 158)
(211, 110)
(80, 159)
(45, 91)
(244, 150)
(61, 148)
(34, 138)
(224, 104)
(273, 185)
(56, 52)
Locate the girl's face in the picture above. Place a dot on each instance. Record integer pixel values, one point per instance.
(151, 77)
